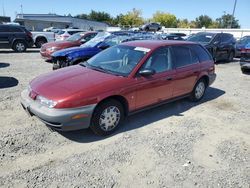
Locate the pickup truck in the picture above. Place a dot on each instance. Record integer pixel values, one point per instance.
(41, 38)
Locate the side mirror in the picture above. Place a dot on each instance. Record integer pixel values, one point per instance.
(83, 41)
(103, 46)
(147, 72)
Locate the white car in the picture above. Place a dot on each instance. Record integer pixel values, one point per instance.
(41, 38)
(65, 33)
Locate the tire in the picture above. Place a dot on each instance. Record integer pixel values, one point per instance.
(19, 46)
(198, 91)
(107, 117)
(40, 41)
(230, 56)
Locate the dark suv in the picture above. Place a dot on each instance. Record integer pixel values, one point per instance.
(16, 37)
(222, 46)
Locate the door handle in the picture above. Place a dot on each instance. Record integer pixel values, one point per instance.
(195, 72)
(169, 78)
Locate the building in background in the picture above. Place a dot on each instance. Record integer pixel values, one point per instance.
(4, 19)
(37, 22)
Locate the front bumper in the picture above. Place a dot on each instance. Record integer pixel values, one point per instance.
(212, 78)
(245, 65)
(59, 119)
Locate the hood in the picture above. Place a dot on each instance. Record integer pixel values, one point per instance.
(68, 51)
(59, 44)
(75, 81)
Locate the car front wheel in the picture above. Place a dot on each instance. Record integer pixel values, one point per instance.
(198, 91)
(107, 117)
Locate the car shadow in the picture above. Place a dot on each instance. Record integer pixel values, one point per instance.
(145, 118)
(227, 62)
(7, 82)
(3, 65)
(13, 52)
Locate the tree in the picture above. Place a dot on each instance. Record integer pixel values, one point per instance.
(203, 21)
(100, 16)
(132, 18)
(225, 21)
(96, 16)
(183, 23)
(165, 19)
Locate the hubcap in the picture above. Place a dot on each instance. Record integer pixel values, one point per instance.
(199, 90)
(20, 47)
(109, 118)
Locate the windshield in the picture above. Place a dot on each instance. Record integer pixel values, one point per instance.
(204, 37)
(119, 60)
(244, 40)
(96, 40)
(75, 37)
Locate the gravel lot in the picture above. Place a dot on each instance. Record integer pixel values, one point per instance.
(182, 144)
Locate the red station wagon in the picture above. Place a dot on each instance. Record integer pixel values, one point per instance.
(75, 40)
(119, 81)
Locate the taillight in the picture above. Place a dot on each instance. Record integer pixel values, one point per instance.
(245, 50)
(30, 34)
(211, 69)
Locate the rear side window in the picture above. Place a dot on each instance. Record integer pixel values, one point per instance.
(202, 54)
(226, 38)
(184, 56)
(72, 32)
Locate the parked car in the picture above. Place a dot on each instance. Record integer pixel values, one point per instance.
(74, 40)
(75, 55)
(52, 29)
(179, 34)
(221, 45)
(245, 58)
(171, 37)
(41, 38)
(241, 45)
(151, 27)
(65, 33)
(16, 37)
(117, 82)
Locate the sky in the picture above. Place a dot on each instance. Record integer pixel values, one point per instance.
(189, 9)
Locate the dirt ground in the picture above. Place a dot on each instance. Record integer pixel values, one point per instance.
(181, 144)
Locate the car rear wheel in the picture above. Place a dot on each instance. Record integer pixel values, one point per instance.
(107, 117)
(199, 90)
(40, 42)
(230, 56)
(19, 46)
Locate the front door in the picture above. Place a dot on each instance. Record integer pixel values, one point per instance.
(158, 87)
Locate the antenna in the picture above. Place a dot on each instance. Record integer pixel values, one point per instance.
(3, 10)
(21, 6)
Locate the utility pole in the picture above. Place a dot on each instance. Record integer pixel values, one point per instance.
(235, 2)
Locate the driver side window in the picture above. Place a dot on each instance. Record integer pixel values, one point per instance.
(160, 60)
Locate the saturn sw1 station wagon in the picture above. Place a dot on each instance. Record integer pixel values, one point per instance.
(117, 82)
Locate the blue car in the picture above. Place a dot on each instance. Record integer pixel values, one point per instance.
(245, 58)
(241, 44)
(75, 55)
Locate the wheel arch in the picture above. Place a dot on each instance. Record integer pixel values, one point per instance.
(118, 98)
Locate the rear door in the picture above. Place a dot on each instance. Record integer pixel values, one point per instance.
(4, 36)
(158, 87)
(187, 68)
(225, 46)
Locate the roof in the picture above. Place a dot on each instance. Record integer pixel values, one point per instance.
(153, 44)
(54, 18)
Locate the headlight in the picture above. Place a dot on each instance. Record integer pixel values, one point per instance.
(46, 102)
(52, 49)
